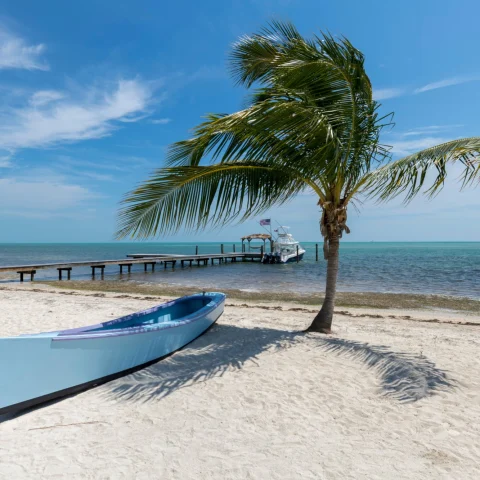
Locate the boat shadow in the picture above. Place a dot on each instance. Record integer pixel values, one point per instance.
(225, 348)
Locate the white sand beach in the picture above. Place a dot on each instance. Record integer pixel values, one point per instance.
(253, 398)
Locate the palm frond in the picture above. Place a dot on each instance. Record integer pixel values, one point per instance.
(409, 174)
(193, 196)
(271, 130)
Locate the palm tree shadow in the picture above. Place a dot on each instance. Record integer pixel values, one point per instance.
(224, 348)
(404, 377)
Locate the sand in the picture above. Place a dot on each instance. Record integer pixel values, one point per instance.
(385, 397)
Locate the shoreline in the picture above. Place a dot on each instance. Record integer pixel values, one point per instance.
(376, 307)
(376, 300)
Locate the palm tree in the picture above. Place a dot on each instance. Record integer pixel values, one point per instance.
(311, 124)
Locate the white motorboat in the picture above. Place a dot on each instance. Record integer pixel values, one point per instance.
(285, 248)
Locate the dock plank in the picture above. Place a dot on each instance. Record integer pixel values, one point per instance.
(132, 259)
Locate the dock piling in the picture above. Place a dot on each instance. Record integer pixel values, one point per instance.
(297, 255)
(316, 252)
(101, 267)
(128, 265)
(60, 271)
(196, 250)
(31, 272)
(149, 263)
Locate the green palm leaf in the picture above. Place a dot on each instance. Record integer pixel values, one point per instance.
(409, 174)
(192, 197)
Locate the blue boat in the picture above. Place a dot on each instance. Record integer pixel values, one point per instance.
(40, 367)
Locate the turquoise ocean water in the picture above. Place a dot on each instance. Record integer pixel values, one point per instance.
(434, 268)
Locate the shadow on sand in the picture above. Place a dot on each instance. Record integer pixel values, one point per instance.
(404, 377)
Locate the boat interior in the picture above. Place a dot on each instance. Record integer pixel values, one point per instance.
(167, 313)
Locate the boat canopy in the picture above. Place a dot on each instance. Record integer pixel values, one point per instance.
(257, 236)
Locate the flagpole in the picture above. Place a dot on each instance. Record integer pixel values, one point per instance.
(266, 229)
(271, 237)
(281, 226)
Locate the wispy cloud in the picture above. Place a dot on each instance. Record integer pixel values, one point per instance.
(161, 121)
(5, 161)
(430, 129)
(42, 97)
(385, 93)
(52, 117)
(66, 162)
(407, 147)
(91, 174)
(447, 82)
(44, 196)
(414, 140)
(109, 162)
(15, 52)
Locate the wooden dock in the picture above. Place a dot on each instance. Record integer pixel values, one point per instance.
(147, 259)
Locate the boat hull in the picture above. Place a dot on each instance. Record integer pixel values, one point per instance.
(272, 258)
(294, 258)
(38, 368)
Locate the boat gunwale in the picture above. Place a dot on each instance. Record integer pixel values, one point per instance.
(84, 333)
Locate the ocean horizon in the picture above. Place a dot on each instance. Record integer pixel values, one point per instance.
(439, 268)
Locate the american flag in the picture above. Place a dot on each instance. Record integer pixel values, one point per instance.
(265, 221)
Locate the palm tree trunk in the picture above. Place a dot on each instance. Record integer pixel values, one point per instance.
(323, 321)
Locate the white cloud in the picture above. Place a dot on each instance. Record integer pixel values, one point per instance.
(42, 97)
(429, 130)
(384, 93)
(5, 161)
(105, 161)
(407, 147)
(16, 53)
(102, 177)
(57, 119)
(451, 199)
(161, 121)
(412, 141)
(447, 82)
(45, 196)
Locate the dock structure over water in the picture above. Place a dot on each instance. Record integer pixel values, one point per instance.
(147, 259)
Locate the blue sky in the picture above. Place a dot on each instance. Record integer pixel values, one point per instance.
(92, 93)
